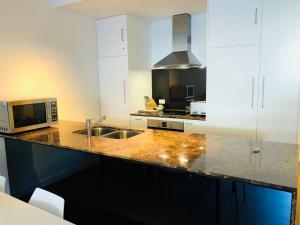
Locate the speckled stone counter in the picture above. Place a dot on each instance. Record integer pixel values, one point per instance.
(275, 166)
(162, 115)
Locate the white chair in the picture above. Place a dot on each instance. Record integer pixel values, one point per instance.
(48, 201)
(2, 183)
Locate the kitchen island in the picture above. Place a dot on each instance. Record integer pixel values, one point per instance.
(201, 161)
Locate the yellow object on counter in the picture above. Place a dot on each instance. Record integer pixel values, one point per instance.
(150, 103)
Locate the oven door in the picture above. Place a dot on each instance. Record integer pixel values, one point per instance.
(28, 115)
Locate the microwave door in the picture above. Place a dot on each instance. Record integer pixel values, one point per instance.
(29, 116)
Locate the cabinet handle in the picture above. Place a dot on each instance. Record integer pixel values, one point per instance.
(124, 88)
(137, 119)
(263, 93)
(252, 96)
(255, 16)
(189, 124)
(122, 34)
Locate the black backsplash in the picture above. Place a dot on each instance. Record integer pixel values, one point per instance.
(170, 85)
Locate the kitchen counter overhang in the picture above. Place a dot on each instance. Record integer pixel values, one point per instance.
(274, 166)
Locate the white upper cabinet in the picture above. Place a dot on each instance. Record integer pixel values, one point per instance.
(112, 36)
(280, 71)
(233, 22)
(232, 90)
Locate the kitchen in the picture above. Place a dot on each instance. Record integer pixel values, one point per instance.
(72, 52)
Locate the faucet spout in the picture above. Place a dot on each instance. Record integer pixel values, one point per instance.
(90, 125)
(99, 121)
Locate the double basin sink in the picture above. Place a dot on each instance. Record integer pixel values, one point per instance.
(109, 132)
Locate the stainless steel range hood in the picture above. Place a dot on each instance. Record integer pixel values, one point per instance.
(181, 57)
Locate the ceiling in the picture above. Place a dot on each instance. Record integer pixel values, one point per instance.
(150, 9)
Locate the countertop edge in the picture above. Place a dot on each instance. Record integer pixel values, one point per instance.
(171, 167)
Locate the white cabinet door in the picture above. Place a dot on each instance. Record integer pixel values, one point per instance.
(233, 22)
(112, 36)
(138, 122)
(113, 76)
(194, 126)
(280, 71)
(232, 77)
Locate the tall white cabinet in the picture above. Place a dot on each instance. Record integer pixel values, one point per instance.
(232, 90)
(253, 73)
(114, 89)
(280, 71)
(124, 66)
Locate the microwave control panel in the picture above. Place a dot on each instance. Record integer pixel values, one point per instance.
(54, 115)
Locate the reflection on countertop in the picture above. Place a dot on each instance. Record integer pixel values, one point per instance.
(275, 165)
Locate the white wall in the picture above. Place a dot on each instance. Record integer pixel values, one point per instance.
(161, 38)
(199, 37)
(48, 52)
(139, 59)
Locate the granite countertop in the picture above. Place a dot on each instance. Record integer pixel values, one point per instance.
(274, 166)
(162, 115)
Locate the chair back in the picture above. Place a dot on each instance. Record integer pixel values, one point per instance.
(2, 183)
(48, 201)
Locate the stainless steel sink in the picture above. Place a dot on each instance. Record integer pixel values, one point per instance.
(97, 131)
(122, 134)
(109, 132)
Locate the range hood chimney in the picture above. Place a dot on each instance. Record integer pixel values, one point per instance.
(181, 57)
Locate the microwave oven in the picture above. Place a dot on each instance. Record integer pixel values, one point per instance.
(24, 115)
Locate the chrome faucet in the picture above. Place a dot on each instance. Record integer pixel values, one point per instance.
(90, 125)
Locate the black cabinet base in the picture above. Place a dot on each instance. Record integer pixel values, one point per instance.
(115, 191)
